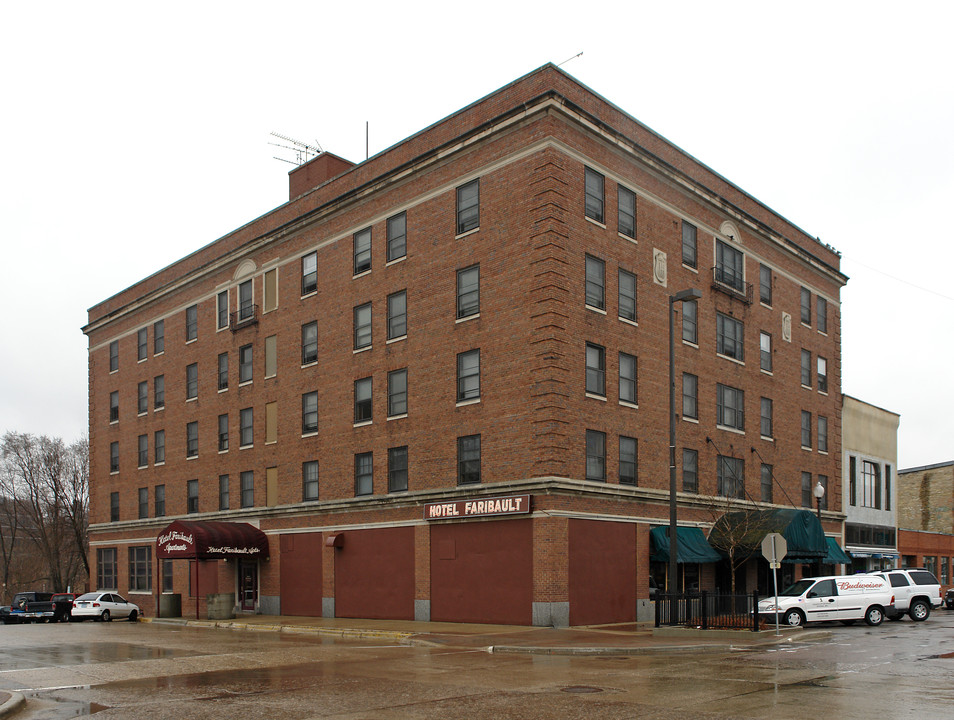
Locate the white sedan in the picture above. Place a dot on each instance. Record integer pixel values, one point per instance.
(104, 606)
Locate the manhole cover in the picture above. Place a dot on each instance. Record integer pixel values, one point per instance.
(581, 689)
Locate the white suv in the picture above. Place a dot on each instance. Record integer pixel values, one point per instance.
(916, 592)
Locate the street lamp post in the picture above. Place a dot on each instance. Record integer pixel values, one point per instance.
(819, 492)
(679, 297)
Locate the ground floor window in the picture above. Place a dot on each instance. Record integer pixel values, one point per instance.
(140, 568)
(106, 571)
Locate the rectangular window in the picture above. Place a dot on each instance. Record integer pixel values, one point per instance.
(363, 474)
(270, 281)
(806, 306)
(192, 381)
(114, 406)
(397, 315)
(192, 323)
(468, 207)
(159, 499)
(627, 378)
(309, 273)
(468, 291)
(223, 432)
(822, 365)
(309, 343)
(192, 439)
(593, 185)
(247, 479)
(106, 569)
(822, 502)
(627, 295)
(271, 356)
(595, 370)
(690, 396)
(245, 364)
(690, 322)
(222, 310)
(309, 480)
(689, 245)
(730, 266)
(595, 282)
(143, 503)
(765, 422)
(309, 413)
(821, 314)
(114, 356)
(246, 427)
(730, 337)
(142, 391)
(158, 337)
(113, 457)
(397, 237)
(397, 469)
(887, 487)
(468, 459)
(159, 392)
(143, 451)
(271, 423)
(765, 284)
(362, 326)
(223, 492)
(468, 375)
(596, 455)
(362, 400)
(730, 404)
(806, 429)
(142, 344)
(362, 251)
(626, 201)
(223, 383)
(765, 352)
(806, 489)
(271, 486)
(192, 496)
(852, 481)
(140, 568)
(627, 460)
(822, 433)
(246, 308)
(114, 507)
(730, 477)
(806, 368)
(690, 470)
(766, 483)
(397, 392)
(159, 440)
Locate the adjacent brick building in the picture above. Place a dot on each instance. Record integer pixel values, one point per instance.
(926, 519)
(437, 381)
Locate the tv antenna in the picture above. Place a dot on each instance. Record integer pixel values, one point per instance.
(303, 151)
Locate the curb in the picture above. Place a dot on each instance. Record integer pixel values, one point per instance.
(661, 650)
(13, 704)
(351, 633)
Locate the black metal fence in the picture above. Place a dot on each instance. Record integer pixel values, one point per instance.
(708, 611)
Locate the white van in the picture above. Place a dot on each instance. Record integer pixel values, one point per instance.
(837, 597)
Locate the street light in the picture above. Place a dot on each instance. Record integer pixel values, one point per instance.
(679, 297)
(819, 492)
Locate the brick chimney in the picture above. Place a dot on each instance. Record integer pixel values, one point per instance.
(315, 172)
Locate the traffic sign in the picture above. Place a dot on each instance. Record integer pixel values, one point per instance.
(774, 547)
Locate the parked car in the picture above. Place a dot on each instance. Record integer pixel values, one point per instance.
(57, 609)
(916, 592)
(15, 612)
(846, 598)
(104, 606)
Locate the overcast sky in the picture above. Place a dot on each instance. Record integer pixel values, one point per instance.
(132, 134)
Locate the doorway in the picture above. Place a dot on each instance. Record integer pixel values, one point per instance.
(248, 585)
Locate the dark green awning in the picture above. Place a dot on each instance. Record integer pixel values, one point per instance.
(744, 531)
(836, 556)
(693, 546)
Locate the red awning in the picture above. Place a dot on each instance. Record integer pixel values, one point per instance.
(211, 540)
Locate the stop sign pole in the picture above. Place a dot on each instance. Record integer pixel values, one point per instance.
(774, 548)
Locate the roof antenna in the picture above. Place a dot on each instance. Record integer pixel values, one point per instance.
(568, 59)
(303, 151)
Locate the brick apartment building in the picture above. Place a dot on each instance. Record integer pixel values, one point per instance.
(434, 385)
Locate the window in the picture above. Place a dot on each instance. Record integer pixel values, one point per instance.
(158, 337)
(765, 422)
(729, 337)
(362, 400)
(468, 375)
(245, 364)
(397, 237)
(766, 483)
(309, 480)
(822, 434)
(143, 451)
(730, 266)
(114, 356)
(159, 441)
(823, 501)
(362, 326)
(271, 356)
(309, 343)
(596, 455)
(887, 487)
(627, 460)
(468, 291)
(690, 396)
(627, 211)
(140, 568)
(595, 282)
(222, 310)
(309, 413)
(142, 392)
(397, 469)
(627, 295)
(106, 568)
(192, 496)
(363, 474)
(159, 498)
(595, 370)
(246, 309)
(765, 352)
(468, 459)
(113, 457)
(690, 470)
(689, 244)
(309, 273)
(159, 392)
(270, 281)
(192, 439)
(627, 378)
(690, 323)
(114, 406)
(468, 207)
(114, 507)
(223, 432)
(142, 344)
(593, 183)
(806, 368)
(806, 429)
(806, 306)
(730, 403)
(271, 422)
(821, 314)
(223, 371)
(806, 489)
(765, 284)
(143, 503)
(822, 365)
(362, 251)
(730, 478)
(247, 479)
(192, 381)
(397, 392)
(852, 480)
(223, 492)
(246, 429)
(397, 315)
(192, 323)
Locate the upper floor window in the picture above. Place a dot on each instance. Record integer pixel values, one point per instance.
(159, 500)
(595, 370)
(468, 459)
(142, 343)
(595, 282)
(730, 477)
(270, 293)
(247, 480)
(765, 284)
(730, 266)
(690, 396)
(143, 397)
(766, 419)
(223, 375)
(246, 427)
(765, 352)
(362, 326)
(627, 212)
(627, 378)
(246, 302)
(821, 314)
(114, 457)
(114, 406)
(223, 432)
(627, 295)
(159, 440)
(397, 469)
(363, 474)
(362, 400)
(690, 323)
(309, 412)
(362, 251)
(806, 429)
(729, 337)
(222, 310)
(806, 489)
(806, 306)
(468, 207)
(309, 343)
(159, 392)
(192, 381)
(822, 374)
(870, 484)
(114, 507)
(192, 323)
(309, 273)
(397, 392)
(192, 439)
(468, 375)
(192, 496)
(245, 364)
(593, 182)
(766, 479)
(596, 455)
(822, 433)
(397, 237)
(690, 470)
(158, 337)
(224, 492)
(309, 480)
(114, 356)
(806, 368)
(627, 460)
(397, 315)
(730, 407)
(468, 291)
(689, 256)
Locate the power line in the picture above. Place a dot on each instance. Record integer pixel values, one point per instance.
(897, 279)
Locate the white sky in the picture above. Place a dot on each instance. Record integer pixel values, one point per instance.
(132, 134)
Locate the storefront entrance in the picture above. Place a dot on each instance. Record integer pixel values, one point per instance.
(248, 585)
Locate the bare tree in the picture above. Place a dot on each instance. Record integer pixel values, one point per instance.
(738, 531)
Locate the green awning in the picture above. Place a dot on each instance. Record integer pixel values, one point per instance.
(693, 547)
(836, 556)
(744, 531)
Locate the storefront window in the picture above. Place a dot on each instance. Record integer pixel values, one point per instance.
(930, 563)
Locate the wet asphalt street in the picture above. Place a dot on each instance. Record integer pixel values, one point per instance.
(152, 670)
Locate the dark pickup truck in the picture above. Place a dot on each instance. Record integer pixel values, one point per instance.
(38, 607)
